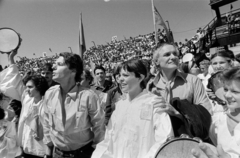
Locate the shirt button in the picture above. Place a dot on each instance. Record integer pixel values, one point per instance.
(68, 100)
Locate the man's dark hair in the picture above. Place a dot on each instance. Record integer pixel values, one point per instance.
(73, 61)
(16, 106)
(39, 82)
(47, 67)
(99, 68)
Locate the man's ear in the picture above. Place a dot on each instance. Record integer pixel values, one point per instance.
(142, 77)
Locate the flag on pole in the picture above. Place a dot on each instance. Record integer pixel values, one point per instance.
(82, 45)
(158, 20)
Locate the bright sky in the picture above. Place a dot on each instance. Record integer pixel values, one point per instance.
(54, 24)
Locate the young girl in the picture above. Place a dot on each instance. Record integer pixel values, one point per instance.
(137, 126)
(225, 130)
(8, 140)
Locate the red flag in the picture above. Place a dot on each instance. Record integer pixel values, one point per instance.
(158, 20)
(82, 45)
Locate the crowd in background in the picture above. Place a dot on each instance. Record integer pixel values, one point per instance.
(111, 54)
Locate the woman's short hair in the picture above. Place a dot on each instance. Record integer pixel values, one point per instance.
(160, 45)
(117, 71)
(228, 54)
(231, 74)
(73, 61)
(137, 67)
(47, 67)
(39, 82)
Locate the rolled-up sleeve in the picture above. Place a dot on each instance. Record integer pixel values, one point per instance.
(8, 147)
(45, 122)
(11, 83)
(97, 117)
(162, 130)
(200, 95)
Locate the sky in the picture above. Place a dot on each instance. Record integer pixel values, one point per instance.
(54, 24)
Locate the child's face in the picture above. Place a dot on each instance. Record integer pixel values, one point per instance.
(9, 113)
(3, 127)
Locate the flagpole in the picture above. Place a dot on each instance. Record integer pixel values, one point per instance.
(80, 25)
(154, 23)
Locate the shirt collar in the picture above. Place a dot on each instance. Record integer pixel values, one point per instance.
(73, 92)
(178, 75)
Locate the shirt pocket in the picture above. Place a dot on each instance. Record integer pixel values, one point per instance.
(54, 122)
(79, 120)
(146, 112)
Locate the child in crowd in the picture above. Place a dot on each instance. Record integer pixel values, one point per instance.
(8, 141)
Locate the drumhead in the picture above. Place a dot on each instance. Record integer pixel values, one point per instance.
(178, 148)
(9, 40)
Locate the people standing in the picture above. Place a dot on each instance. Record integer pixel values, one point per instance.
(74, 120)
(137, 126)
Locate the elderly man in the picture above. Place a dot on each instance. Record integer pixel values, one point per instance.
(74, 121)
(172, 84)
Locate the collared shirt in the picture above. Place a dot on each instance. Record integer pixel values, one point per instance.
(105, 88)
(53, 84)
(84, 121)
(11, 83)
(28, 127)
(220, 135)
(204, 79)
(136, 129)
(185, 86)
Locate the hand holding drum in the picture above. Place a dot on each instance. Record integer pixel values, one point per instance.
(183, 147)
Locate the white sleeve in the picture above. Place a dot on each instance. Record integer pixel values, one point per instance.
(162, 129)
(8, 147)
(213, 129)
(11, 83)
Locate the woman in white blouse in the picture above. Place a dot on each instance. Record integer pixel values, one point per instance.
(225, 129)
(137, 127)
(30, 132)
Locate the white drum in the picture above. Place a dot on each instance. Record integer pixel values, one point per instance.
(9, 40)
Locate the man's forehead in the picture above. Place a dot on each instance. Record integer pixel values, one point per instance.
(167, 48)
(99, 70)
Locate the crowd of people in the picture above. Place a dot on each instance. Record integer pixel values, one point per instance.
(138, 94)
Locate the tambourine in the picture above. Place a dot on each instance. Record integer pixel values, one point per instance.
(181, 148)
(9, 40)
